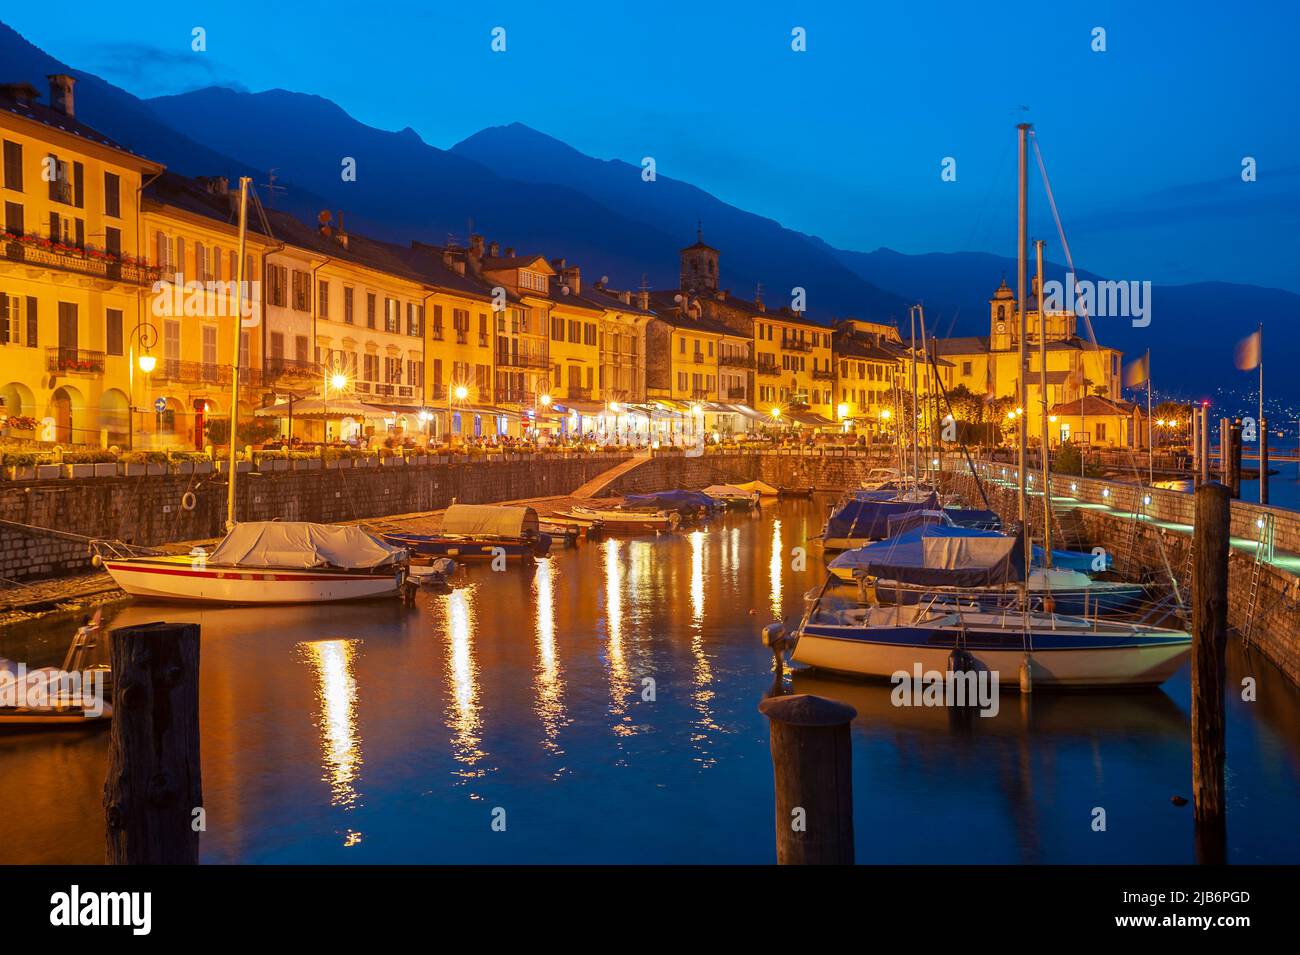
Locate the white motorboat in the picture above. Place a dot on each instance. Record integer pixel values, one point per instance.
(732, 496)
(267, 562)
(612, 520)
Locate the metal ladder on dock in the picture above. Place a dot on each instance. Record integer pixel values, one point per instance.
(1131, 562)
(1263, 553)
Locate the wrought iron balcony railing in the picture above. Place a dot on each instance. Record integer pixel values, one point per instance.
(76, 360)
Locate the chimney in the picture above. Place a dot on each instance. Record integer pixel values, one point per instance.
(494, 249)
(643, 300)
(558, 265)
(761, 306)
(476, 246)
(340, 234)
(510, 252)
(217, 185)
(625, 298)
(61, 94)
(572, 277)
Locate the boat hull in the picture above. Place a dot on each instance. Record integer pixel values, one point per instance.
(184, 580)
(1067, 661)
(460, 548)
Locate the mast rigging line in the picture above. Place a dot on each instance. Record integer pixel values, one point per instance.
(1060, 229)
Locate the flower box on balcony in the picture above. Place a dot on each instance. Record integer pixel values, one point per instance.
(105, 469)
(48, 472)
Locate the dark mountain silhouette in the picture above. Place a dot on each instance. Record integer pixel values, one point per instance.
(754, 248)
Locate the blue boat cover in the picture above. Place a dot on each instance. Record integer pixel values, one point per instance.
(974, 517)
(1072, 560)
(940, 556)
(869, 520)
(668, 501)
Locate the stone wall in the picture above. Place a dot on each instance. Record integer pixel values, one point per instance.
(823, 470)
(149, 510)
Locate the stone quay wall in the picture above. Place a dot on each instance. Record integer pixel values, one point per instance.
(43, 523)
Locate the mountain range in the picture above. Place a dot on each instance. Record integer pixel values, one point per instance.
(533, 192)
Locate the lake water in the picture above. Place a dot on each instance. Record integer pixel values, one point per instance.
(378, 733)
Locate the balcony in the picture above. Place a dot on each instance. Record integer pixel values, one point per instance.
(513, 396)
(823, 374)
(795, 344)
(390, 390)
(735, 361)
(74, 360)
(770, 371)
(579, 394)
(701, 394)
(42, 253)
(277, 368)
(202, 373)
(736, 394)
(521, 360)
(699, 358)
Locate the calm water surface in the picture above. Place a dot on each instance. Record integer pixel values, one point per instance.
(377, 733)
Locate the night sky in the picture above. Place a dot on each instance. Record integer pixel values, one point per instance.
(1144, 142)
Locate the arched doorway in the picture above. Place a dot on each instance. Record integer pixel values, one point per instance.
(63, 403)
(115, 417)
(17, 400)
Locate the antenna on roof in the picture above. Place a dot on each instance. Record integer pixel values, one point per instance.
(271, 187)
(645, 285)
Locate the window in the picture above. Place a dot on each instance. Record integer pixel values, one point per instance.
(966, 367)
(112, 195)
(575, 331)
(172, 342)
(300, 345)
(277, 346)
(589, 334)
(371, 301)
(392, 315)
(113, 241)
(437, 323)
(13, 166)
(532, 280)
(301, 291)
(1101, 431)
(277, 277)
(370, 367)
(557, 329)
(201, 262)
(393, 371)
(414, 319)
(483, 329)
(113, 331)
(347, 304)
(9, 311)
(14, 218)
(323, 298)
(210, 345)
(414, 373)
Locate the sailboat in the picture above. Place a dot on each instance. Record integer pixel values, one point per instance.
(265, 562)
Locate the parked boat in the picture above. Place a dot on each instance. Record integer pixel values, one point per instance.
(857, 522)
(67, 689)
(729, 495)
(687, 504)
(877, 478)
(761, 488)
(1062, 651)
(979, 569)
(480, 532)
(266, 562)
(619, 521)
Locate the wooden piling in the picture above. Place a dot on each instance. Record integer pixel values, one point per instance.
(1209, 646)
(154, 782)
(1234, 458)
(1225, 439)
(812, 763)
(1263, 461)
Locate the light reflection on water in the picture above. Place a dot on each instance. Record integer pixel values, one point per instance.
(525, 691)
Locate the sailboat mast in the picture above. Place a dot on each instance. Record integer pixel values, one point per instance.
(1044, 450)
(916, 438)
(1021, 249)
(240, 282)
(929, 388)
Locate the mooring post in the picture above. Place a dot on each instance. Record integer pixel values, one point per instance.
(154, 783)
(812, 759)
(1263, 461)
(1234, 434)
(1209, 646)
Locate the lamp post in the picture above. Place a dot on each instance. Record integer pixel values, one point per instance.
(339, 382)
(541, 402)
(458, 393)
(147, 336)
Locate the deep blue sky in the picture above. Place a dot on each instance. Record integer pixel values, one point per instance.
(1144, 142)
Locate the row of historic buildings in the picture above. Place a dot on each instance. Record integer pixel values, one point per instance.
(119, 321)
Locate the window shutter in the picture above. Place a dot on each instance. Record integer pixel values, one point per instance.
(4, 318)
(78, 185)
(31, 321)
(54, 182)
(81, 233)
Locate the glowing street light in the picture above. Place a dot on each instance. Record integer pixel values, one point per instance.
(339, 381)
(461, 392)
(148, 363)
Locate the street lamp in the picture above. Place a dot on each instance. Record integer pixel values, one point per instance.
(147, 336)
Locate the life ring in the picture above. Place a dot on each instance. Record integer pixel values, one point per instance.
(188, 500)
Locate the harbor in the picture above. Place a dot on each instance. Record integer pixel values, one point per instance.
(376, 732)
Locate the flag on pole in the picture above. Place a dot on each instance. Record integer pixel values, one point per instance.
(1138, 373)
(1247, 354)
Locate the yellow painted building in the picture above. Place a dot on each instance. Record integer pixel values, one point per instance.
(188, 331)
(1075, 367)
(869, 358)
(794, 357)
(574, 349)
(72, 286)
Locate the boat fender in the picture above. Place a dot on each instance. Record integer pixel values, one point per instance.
(1027, 674)
(959, 661)
(188, 500)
